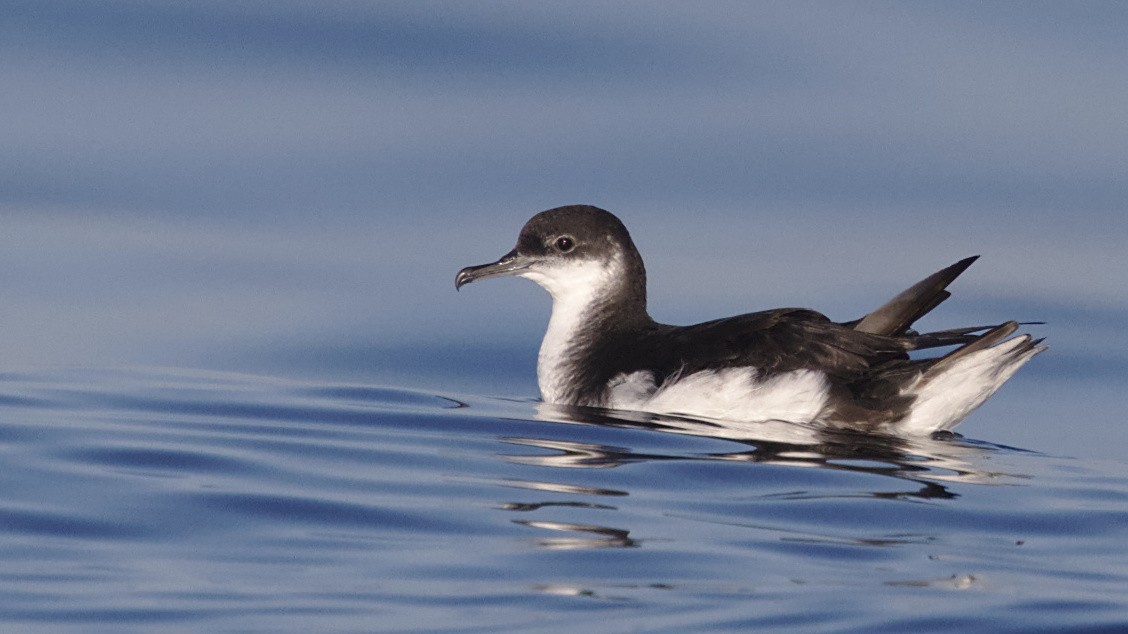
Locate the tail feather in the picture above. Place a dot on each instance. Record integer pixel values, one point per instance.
(945, 390)
(949, 337)
(953, 336)
(981, 342)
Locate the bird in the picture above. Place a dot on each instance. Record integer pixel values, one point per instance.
(602, 349)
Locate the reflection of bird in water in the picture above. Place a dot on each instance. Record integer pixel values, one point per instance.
(602, 348)
(926, 461)
(918, 468)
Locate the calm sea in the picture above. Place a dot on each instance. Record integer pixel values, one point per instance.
(172, 500)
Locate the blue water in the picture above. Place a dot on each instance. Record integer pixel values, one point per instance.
(142, 499)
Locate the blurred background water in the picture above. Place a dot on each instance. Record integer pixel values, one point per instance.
(285, 190)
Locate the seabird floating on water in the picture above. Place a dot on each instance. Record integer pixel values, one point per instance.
(602, 349)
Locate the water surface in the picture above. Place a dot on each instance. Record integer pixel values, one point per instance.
(185, 501)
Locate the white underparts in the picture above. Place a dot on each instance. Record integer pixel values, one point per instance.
(734, 394)
(943, 397)
(946, 395)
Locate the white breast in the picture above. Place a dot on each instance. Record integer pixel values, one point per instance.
(575, 288)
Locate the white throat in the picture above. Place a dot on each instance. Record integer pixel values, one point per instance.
(575, 287)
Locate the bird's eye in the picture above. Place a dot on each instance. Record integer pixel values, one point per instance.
(565, 244)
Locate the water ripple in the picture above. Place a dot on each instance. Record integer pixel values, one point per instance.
(194, 500)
